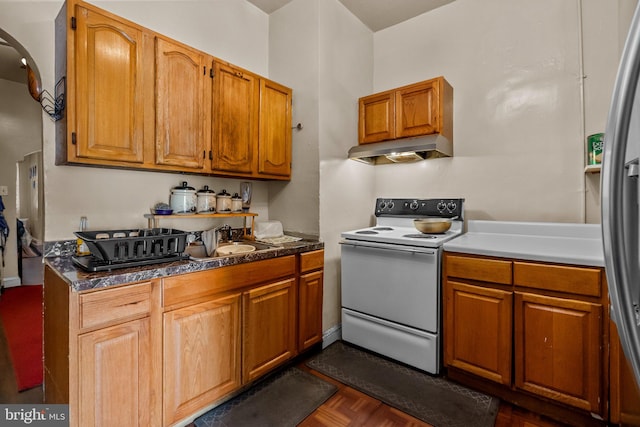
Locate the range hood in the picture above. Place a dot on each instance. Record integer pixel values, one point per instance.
(402, 150)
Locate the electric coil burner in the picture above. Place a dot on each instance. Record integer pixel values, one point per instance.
(391, 288)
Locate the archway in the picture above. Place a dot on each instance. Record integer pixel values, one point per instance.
(21, 187)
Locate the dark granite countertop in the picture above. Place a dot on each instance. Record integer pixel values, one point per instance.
(80, 280)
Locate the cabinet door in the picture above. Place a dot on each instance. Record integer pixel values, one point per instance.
(201, 354)
(310, 309)
(115, 376)
(478, 330)
(274, 143)
(269, 327)
(234, 120)
(105, 77)
(625, 394)
(558, 349)
(417, 109)
(376, 119)
(183, 105)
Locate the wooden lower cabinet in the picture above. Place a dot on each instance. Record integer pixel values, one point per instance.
(269, 322)
(156, 353)
(481, 318)
(558, 346)
(310, 286)
(625, 394)
(114, 375)
(201, 355)
(532, 333)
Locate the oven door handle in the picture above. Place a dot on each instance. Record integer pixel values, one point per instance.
(387, 246)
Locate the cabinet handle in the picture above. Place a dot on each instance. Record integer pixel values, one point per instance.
(74, 139)
(204, 70)
(211, 72)
(210, 155)
(204, 154)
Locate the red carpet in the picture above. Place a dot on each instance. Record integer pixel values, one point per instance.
(21, 316)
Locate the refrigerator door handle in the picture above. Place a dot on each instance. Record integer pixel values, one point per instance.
(620, 221)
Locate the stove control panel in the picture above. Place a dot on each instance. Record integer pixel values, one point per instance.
(444, 208)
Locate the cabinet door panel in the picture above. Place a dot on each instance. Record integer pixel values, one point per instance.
(202, 355)
(235, 117)
(274, 154)
(376, 117)
(558, 349)
(270, 327)
(478, 330)
(106, 99)
(183, 105)
(417, 109)
(115, 376)
(310, 309)
(625, 394)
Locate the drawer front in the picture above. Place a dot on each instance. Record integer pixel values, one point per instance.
(482, 269)
(110, 306)
(192, 286)
(311, 261)
(560, 278)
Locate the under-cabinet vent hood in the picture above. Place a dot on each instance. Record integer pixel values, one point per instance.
(402, 151)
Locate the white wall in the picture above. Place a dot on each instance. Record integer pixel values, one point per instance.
(20, 134)
(231, 30)
(515, 66)
(326, 55)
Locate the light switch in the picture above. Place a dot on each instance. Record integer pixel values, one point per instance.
(4, 190)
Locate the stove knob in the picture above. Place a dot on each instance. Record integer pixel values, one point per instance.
(413, 205)
(441, 206)
(391, 205)
(382, 205)
(451, 206)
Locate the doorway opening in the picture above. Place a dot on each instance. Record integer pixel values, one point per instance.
(21, 189)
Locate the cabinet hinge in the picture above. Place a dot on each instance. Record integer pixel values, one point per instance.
(73, 138)
(204, 154)
(211, 72)
(73, 23)
(204, 70)
(210, 155)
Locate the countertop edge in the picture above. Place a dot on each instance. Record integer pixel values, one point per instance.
(80, 280)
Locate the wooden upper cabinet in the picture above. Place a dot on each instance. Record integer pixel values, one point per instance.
(376, 117)
(136, 99)
(183, 105)
(274, 144)
(104, 89)
(418, 109)
(235, 120)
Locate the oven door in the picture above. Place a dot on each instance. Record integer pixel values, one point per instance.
(396, 283)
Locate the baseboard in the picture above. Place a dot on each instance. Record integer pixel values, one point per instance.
(10, 282)
(331, 335)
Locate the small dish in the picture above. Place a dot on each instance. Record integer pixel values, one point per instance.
(163, 211)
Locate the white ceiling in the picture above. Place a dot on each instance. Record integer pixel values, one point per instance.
(375, 14)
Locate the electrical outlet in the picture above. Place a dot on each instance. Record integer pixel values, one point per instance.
(4, 190)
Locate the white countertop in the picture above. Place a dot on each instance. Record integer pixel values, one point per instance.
(566, 243)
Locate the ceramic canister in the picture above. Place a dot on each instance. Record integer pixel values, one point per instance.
(183, 199)
(223, 201)
(206, 200)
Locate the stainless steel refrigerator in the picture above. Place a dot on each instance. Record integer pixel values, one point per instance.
(620, 198)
